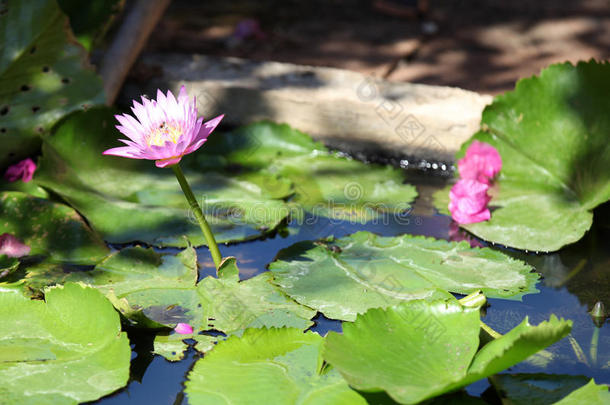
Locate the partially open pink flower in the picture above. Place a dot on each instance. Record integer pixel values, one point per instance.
(481, 162)
(23, 170)
(165, 130)
(184, 329)
(12, 247)
(468, 201)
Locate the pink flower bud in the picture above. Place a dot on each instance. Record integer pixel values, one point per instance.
(468, 201)
(12, 247)
(23, 170)
(481, 162)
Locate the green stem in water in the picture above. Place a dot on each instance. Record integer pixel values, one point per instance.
(594, 344)
(203, 224)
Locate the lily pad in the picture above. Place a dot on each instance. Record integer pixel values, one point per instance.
(7, 265)
(149, 288)
(552, 134)
(43, 75)
(51, 229)
(420, 349)
(51, 351)
(325, 183)
(232, 306)
(590, 394)
(284, 365)
(127, 200)
(344, 277)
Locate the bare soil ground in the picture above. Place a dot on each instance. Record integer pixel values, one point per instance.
(477, 45)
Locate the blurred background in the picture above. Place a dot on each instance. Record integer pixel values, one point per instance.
(477, 45)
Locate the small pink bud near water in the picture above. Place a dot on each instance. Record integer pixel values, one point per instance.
(184, 329)
(468, 202)
(12, 247)
(165, 130)
(23, 170)
(482, 163)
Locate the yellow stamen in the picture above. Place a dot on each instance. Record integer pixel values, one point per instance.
(165, 132)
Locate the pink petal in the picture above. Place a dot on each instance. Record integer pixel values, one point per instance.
(168, 162)
(482, 162)
(12, 247)
(126, 151)
(23, 170)
(184, 329)
(468, 201)
(207, 128)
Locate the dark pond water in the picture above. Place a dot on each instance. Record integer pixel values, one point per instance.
(573, 280)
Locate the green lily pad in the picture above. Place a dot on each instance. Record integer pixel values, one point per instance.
(232, 306)
(43, 75)
(90, 20)
(52, 352)
(283, 365)
(149, 288)
(552, 134)
(344, 277)
(127, 200)
(420, 349)
(7, 265)
(325, 183)
(50, 229)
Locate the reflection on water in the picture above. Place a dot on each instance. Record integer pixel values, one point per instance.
(574, 279)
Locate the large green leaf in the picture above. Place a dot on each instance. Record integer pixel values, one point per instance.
(64, 350)
(90, 19)
(50, 229)
(231, 305)
(325, 183)
(420, 349)
(552, 134)
(347, 276)
(590, 394)
(283, 366)
(127, 200)
(43, 74)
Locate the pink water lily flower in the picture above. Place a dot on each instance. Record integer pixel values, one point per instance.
(12, 247)
(166, 129)
(468, 202)
(481, 162)
(184, 329)
(23, 170)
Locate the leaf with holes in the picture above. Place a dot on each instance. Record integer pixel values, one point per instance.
(127, 200)
(51, 229)
(43, 75)
(52, 352)
(552, 134)
(282, 364)
(420, 349)
(347, 276)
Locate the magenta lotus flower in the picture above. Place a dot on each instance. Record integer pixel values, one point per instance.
(23, 170)
(12, 247)
(468, 202)
(481, 162)
(184, 329)
(165, 130)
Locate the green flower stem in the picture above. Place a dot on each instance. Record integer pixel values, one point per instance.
(205, 228)
(594, 344)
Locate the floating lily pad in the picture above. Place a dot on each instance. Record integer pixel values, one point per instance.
(552, 134)
(43, 75)
(172, 347)
(281, 365)
(325, 183)
(50, 229)
(127, 200)
(419, 349)
(149, 288)
(52, 352)
(344, 277)
(590, 394)
(90, 20)
(7, 265)
(231, 305)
